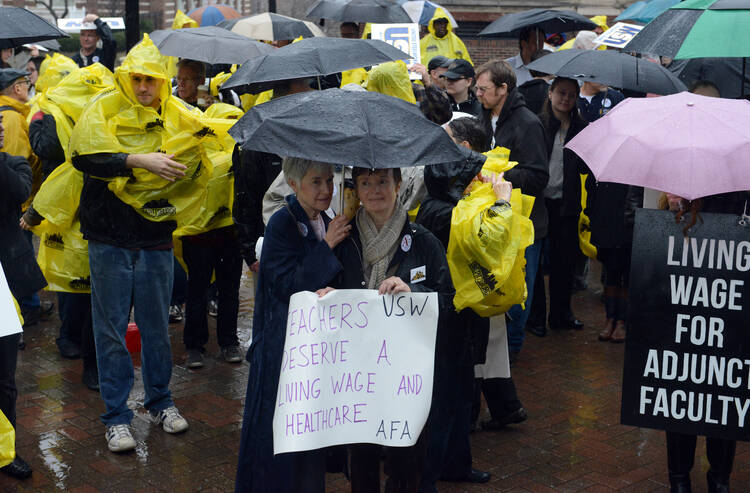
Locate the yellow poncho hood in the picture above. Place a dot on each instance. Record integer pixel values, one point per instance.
(181, 21)
(449, 46)
(391, 78)
(52, 70)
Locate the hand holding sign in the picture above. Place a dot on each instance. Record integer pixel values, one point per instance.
(348, 358)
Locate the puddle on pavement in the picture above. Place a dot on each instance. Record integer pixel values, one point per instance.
(49, 444)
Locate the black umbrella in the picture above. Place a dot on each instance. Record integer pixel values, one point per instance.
(365, 129)
(377, 11)
(19, 27)
(550, 21)
(271, 27)
(611, 68)
(209, 44)
(311, 57)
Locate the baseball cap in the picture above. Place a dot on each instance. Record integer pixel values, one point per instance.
(459, 69)
(438, 61)
(9, 75)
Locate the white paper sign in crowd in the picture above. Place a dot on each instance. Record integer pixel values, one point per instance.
(405, 37)
(9, 322)
(619, 35)
(357, 367)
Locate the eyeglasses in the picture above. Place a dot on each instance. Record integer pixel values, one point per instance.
(26, 80)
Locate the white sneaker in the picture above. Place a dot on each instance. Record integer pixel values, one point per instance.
(119, 438)
(171, 420)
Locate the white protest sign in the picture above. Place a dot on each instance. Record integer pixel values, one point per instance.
(9, 322)
(357, 368)
(405, 37)
(619, 35)
(74, 25)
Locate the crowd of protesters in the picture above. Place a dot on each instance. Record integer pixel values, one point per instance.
(280, 229)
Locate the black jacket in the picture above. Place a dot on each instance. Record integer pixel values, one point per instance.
(45, 143)
(519, 130)
(107, 219)
(471, 106)
(16, 252)
(466, 334)
(104, 55)
(611, 210)
(254, 172)
(573, 166)
(535, 93)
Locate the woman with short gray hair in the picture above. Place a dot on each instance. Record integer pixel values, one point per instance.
(297, 256)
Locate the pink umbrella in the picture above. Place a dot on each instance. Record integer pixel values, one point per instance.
(685, 144)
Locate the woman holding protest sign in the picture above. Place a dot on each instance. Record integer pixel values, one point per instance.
(297, 256)
(388, 253)
(680, 446)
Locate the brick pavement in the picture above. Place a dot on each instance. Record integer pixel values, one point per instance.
(569, 383)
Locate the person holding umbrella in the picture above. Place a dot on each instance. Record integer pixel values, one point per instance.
(530, 40)
(383, 252)
(297, 256)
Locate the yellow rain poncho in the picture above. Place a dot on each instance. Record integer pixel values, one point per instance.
(16, 142)
(391, 78)
(52, 70)
(584, 224)
(114, 122)
(449, 46)
(181, 21)
(487, 245)
(63, 253)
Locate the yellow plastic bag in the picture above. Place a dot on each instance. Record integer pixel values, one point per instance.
(64, 258)
(7, 441)
(115, 122)
(584, 224)
(486, 251)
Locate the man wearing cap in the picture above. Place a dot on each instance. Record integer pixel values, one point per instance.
(93, 30)
(530, 40)
(459, 79)
(437, 67)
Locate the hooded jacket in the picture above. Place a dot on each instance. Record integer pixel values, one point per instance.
(115, 125)
(392, 79)
(449, 46)
(520, 130)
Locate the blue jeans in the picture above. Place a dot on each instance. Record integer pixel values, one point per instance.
(517, 315)
(121, 278)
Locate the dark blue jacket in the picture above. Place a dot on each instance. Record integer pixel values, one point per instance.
(292, 260)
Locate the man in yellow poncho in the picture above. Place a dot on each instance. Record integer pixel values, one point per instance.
(442, 41)
(121, 133)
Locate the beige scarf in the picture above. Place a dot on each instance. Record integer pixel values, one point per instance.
(379, 246)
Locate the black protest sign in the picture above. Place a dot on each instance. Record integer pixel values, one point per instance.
(687, 355)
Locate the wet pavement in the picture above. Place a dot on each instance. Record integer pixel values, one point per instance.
(568, 381)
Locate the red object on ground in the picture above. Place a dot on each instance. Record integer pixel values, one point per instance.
(133, 338)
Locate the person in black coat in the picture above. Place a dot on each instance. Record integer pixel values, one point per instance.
(383, 252)
(95, 30)
(536, 90)
(681, 446)
(297, 256)
(515, 127)
(22, 274)
(562, 197)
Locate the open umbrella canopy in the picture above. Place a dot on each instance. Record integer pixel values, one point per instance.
(19, 26)
(645, 12)
(550, 21)
(611, 68)
(272, 27)
(377, 11)
(208, 44)
(365, 129)
(422, 11)
(211, 15)
(698, 29)
(311, 57)
(685, 144)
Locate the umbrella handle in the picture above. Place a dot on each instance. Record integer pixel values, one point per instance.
(341, 189)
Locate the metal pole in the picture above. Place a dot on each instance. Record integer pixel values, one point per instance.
(132, 24)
